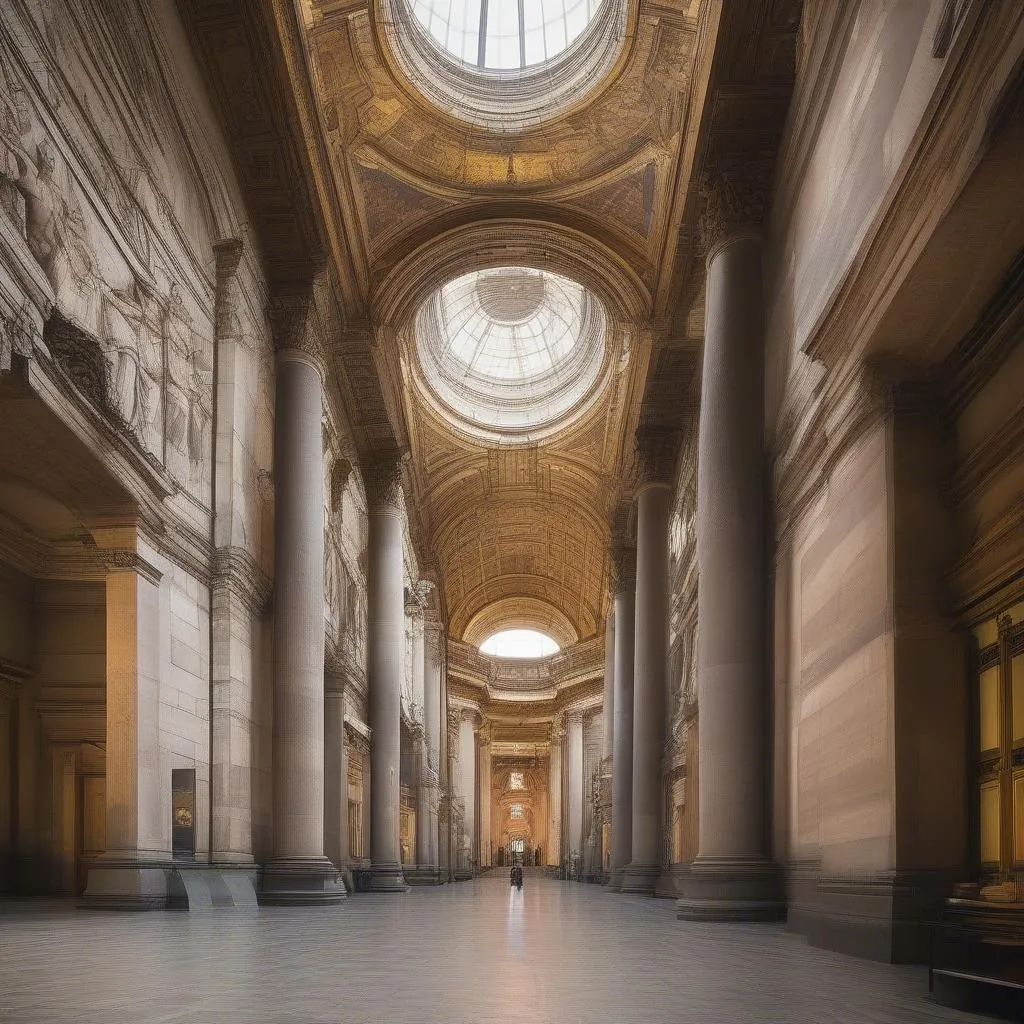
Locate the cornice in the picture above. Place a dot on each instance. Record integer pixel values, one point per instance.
(237, 570)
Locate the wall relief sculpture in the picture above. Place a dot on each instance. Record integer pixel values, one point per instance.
(97, 225)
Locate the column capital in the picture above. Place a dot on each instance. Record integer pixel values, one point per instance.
(454, 717)
(416, 598)
(733, 199)
(383, 481)
(622, 567)
(574, 718)
(300, 319)
(656, 450)
(558, 728)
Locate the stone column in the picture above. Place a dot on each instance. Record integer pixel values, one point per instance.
(452, 838)
(732, 877)
(386, 641)
(432, 645)
(624, 592)
(656, 449)
(484, 753)
(299, 873)
(65, 816)
(574, 757)
(132, 872)
(555, 794)
(608, 702)
(336, 843)
(467, 780)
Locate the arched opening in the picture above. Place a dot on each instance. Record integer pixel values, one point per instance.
(519, 643)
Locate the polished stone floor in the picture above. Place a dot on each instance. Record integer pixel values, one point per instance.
(474, 951)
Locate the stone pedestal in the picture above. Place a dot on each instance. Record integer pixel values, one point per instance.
(624, 586)
(650, 661)
(386, 639)
(732, 878)
(299, 873)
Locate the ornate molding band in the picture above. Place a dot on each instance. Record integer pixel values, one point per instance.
(127, 560)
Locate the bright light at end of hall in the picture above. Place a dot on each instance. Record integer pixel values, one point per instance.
(519, 643)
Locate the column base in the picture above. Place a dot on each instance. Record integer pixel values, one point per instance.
(640, 879)
(423, 874)
(124, 884)
(300, 882)
(615, 880)
(387, 878)
(731, 890)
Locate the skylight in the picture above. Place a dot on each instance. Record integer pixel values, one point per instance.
(505, 34)
(511, 349)
(519, 643)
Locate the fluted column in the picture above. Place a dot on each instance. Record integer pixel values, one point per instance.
(299, 872)
(555, 794)
(386, 641)
(732, 877)
(656, 449)
(624, 590)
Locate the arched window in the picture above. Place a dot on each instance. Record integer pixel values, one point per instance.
(519, 643)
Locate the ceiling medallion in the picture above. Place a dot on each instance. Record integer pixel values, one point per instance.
(511, 354)
(504, 65)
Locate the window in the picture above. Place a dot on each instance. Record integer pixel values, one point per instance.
(516, 811)
(505, 35)
(519, 643)
(515, 780)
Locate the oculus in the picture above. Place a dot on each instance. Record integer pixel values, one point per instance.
(519, 643)
(505, 65)
(511, 353)
(504, 34)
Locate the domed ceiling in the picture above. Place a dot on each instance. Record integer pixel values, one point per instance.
(510, 220)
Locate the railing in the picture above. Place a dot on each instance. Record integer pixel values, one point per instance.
(526, 674)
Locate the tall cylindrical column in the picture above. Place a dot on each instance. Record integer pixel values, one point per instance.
(299, 871)
(624, 589)
(732, 877)
(432, 641)
(385, 643)
(484, 801)
(555, 795)
(650, 658)
(608, 704)
(335, 773)
(574, 756)
(467, 781)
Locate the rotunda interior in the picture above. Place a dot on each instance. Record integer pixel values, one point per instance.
(439, 437)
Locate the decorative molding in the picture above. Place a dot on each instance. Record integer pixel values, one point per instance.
(127, 560)
(236, 569)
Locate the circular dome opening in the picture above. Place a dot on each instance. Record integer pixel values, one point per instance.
(519, 643)
(511, 351)
(504, 34)
(505, 64)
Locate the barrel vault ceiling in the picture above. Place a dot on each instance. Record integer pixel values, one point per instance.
(314, 101)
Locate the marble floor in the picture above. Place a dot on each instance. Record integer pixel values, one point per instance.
(474, 951)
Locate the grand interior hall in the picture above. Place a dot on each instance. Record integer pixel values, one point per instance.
(511, 509)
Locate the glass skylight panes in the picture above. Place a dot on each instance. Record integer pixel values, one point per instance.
(511, 324)
(505, 35)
